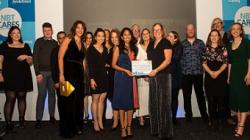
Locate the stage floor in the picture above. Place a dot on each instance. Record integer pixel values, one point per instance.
(195, 130)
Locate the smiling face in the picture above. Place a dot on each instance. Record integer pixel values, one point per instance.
(15, 35)
(217, 24)
(79, 30)
(158, 31)
(115, 38)
(100, 37)
(171, 38)
(214, 37)
(145, 35)
(236, 31)
(126, 37)
(88, 39)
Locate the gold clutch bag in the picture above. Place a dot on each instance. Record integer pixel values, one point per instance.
(66, 88)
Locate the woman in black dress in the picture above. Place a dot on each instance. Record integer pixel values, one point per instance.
(175, 68)
(70, 60)
(160, 52)
(97, 59)
(87, 42)
(215, 64)
(15, 61)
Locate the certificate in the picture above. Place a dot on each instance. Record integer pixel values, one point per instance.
(141, 68)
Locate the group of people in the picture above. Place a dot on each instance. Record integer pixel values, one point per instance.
(100, 64)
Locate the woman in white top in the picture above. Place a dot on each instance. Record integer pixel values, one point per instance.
(142, 82)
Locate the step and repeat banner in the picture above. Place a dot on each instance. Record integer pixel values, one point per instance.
(237, 11)
(19, 13)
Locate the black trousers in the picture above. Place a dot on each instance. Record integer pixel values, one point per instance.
(216, 107)
(197, 81)
(71, 113)
(175, 93)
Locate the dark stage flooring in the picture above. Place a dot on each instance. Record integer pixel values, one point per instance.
(195, 130)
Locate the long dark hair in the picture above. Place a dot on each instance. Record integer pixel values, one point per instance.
(95, 35)
(73, 29)
(132, 42)
(209, 42)
(9, 40)
(176, 36)
(88, 33)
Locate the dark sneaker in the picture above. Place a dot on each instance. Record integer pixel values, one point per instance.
(52, 120)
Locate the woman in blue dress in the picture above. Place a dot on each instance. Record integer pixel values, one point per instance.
(123, 81)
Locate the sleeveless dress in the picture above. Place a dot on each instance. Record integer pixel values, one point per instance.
(71, 107)
(123, 85)
(17, 75)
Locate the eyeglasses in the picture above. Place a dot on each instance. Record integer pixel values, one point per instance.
(157, 30)
(216, 23)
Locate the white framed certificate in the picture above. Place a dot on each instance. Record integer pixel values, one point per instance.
(141, 68)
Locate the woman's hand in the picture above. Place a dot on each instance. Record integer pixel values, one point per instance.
(129, 73)
(29, 59)
(1, 77)
(93, 84)
(228, 81)
(56, 85)
(214, 74)
(247, 79)
(22, 57)
(153, 73)
(146, 79)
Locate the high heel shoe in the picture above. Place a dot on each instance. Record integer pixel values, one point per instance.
(129, 131)
(123, 133)
(21, 122)
(237, 134)
(115, 127)
(9, 126)
(86, 119)
(96, 130)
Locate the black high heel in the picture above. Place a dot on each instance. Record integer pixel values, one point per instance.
(21, 122)
(115, 128)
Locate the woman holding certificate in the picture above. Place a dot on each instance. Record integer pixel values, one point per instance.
(142, 82)
(123, 81)
(160, 53)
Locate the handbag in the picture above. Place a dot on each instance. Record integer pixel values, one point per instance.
(66, 89)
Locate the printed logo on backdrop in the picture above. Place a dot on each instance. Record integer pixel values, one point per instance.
(243, 16)
(19, 13)
(237, 11)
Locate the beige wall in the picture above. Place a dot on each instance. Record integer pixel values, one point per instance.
(174, 14)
